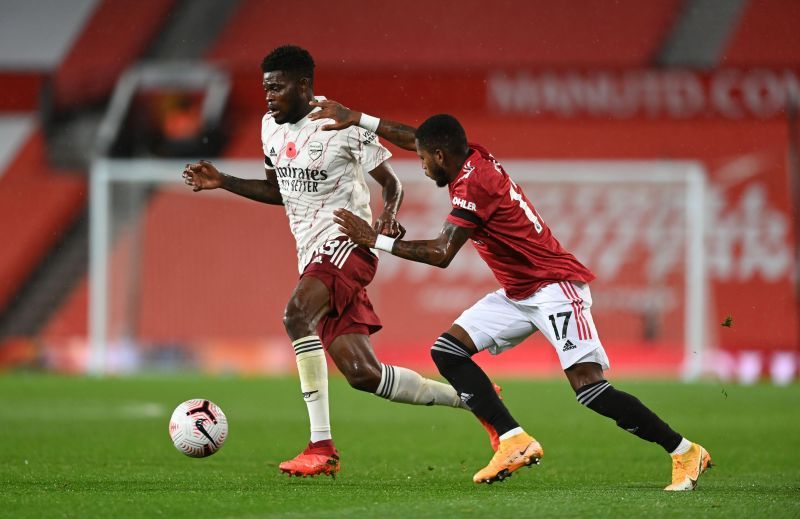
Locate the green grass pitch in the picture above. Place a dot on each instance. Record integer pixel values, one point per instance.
(79, 447)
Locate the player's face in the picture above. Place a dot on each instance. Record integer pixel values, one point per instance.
(430, 165)
(284, 95)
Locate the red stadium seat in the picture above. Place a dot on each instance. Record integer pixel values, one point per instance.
(475, 35)
(368, 64)
(115, 36)
(766, 36)
(37, 204)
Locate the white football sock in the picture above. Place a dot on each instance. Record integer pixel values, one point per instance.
(683, 447)
(313, 371)
(513, 432)
(409, 387)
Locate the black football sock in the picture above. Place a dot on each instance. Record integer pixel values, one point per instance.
(629, 413)
(473, 386)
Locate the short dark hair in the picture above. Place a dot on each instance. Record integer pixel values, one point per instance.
(290, 59)
(442, 131)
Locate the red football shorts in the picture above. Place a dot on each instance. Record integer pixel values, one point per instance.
(346, 269)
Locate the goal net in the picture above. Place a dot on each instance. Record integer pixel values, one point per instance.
(199, 280)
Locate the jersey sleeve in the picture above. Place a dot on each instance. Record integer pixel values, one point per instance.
(474, 201)
(366, 149)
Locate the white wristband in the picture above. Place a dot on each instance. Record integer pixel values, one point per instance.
(384, 243)
(369, 123)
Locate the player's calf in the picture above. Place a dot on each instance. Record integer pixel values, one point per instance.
(362, 377)
(454, 361)
(403, 385)
(689, 460)
(629, 413)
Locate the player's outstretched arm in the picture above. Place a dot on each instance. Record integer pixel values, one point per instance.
(438, 252)
(204, 175)
(398, 134)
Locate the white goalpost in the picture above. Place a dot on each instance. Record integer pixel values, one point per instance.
(640, 221)
(692, 176)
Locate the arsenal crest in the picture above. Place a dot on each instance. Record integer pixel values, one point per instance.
(315, 150)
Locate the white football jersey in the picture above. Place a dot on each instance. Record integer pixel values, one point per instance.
(318, 172)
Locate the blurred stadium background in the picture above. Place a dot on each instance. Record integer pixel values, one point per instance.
(109, 264)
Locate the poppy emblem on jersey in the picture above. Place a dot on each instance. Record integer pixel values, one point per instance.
(315, 150)
(291, 150)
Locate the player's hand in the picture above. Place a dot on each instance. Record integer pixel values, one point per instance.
(355, 228)
(343, 116)
(202, 175)
(388, 225)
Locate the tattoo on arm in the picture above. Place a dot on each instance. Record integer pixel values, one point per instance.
(438, 252)
(398, 134)
(265, 191)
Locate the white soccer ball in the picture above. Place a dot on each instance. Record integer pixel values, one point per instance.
(198, 428)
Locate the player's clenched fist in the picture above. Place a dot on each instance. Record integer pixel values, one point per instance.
(202, 175)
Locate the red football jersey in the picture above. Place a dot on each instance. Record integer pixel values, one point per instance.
(509, 234)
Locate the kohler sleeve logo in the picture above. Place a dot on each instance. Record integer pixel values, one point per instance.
(463, 204)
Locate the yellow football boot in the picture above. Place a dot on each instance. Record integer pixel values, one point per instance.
(518, 451)
(687, 467)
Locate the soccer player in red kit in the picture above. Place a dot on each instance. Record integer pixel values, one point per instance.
(544, 288)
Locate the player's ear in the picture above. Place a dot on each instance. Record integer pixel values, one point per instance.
(305, 84)
(439, 157)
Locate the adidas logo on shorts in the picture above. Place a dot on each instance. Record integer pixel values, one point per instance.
(568, 346)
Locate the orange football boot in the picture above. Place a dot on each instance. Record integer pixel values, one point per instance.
(520, 450)
(687, 468)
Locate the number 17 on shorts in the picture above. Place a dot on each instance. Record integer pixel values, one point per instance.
(561, 311)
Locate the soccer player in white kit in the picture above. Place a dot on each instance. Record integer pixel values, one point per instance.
(312, 172)
(544, 288)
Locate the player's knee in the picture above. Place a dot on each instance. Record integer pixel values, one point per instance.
(583, 375)
(362, 377)
(447, 352)
(591, 394)
(296, 322)
(440, 358)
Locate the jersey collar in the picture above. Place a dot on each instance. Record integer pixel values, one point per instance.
(468, 167)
